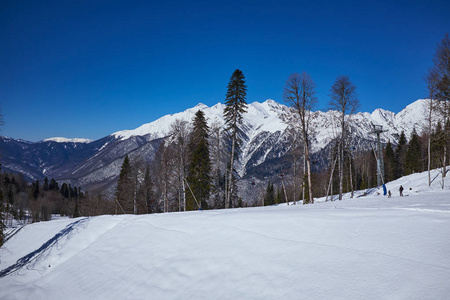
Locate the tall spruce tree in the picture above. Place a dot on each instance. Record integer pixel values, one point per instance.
(389, 163)
(413, 155)
(199, 177)
(45, 186)
(2, 218)
(148, 191)
(124, 189)
(400, 155)
(269, 198)
(236, 106)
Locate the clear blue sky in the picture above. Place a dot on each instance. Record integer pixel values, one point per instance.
(89, 68)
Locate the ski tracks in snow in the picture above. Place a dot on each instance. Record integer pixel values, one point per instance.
(33, 257)
(58, 242)
(330, 246)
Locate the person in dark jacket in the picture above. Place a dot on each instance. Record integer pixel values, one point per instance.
(401, 191)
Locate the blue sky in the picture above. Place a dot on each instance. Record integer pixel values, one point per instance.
(89, 68)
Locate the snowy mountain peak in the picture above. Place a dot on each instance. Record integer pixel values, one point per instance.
(265, 117)
(66, 140)
(201, 106)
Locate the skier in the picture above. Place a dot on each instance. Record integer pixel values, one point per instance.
(389, 194)
(401, 191)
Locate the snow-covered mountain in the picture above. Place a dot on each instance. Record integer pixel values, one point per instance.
(66, 140)
(266, 143)
(362, 248)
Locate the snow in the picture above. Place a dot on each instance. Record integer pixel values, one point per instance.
(370, 247)
(66, 140)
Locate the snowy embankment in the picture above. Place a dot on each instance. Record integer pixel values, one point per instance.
(370, 247)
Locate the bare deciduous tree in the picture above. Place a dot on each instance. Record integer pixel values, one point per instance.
(179, 132)
(344, 100)
(300, 95)
(438, 80)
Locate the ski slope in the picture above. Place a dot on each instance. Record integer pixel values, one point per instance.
(369, 247)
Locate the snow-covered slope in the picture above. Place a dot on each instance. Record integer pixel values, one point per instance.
(364, 248)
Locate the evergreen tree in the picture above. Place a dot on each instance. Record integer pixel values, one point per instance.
(53, 186)
(36, 190)
(200, 164)
(45, 186)
(2, 223)
(65, 190)
(400, 155)
(236, 106)
(10, 194)
(278, 197)
(124, 189)
(76, 211)
(269, 198)
(413, 155)
(389, 163)
(148, 191)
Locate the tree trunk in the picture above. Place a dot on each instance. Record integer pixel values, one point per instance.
(295, 177)
(351, 177)
(429, 141)
(444, 167)
(135, 196)
(284, 189)
(330, 185)
(230, 185)
(429, 157)
(341, 170)
(308, 164)
(304, 171)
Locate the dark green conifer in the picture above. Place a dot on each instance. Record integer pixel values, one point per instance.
(2, 223)
(36, 190)
(236, 106)
(148, 191)
(45, 186)
(53, 186)
(124, 189)
(400, 155)
(199, 170)
(65, 190)
(413, 155)
(269, 198)
(389, 163)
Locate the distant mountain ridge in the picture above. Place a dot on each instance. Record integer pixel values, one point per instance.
(266, 142)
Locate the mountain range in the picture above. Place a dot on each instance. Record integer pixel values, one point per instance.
(266, 144)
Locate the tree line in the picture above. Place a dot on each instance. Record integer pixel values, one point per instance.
(194, 167)
(24, 202)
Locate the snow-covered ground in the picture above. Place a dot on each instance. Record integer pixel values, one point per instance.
(369, 247)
